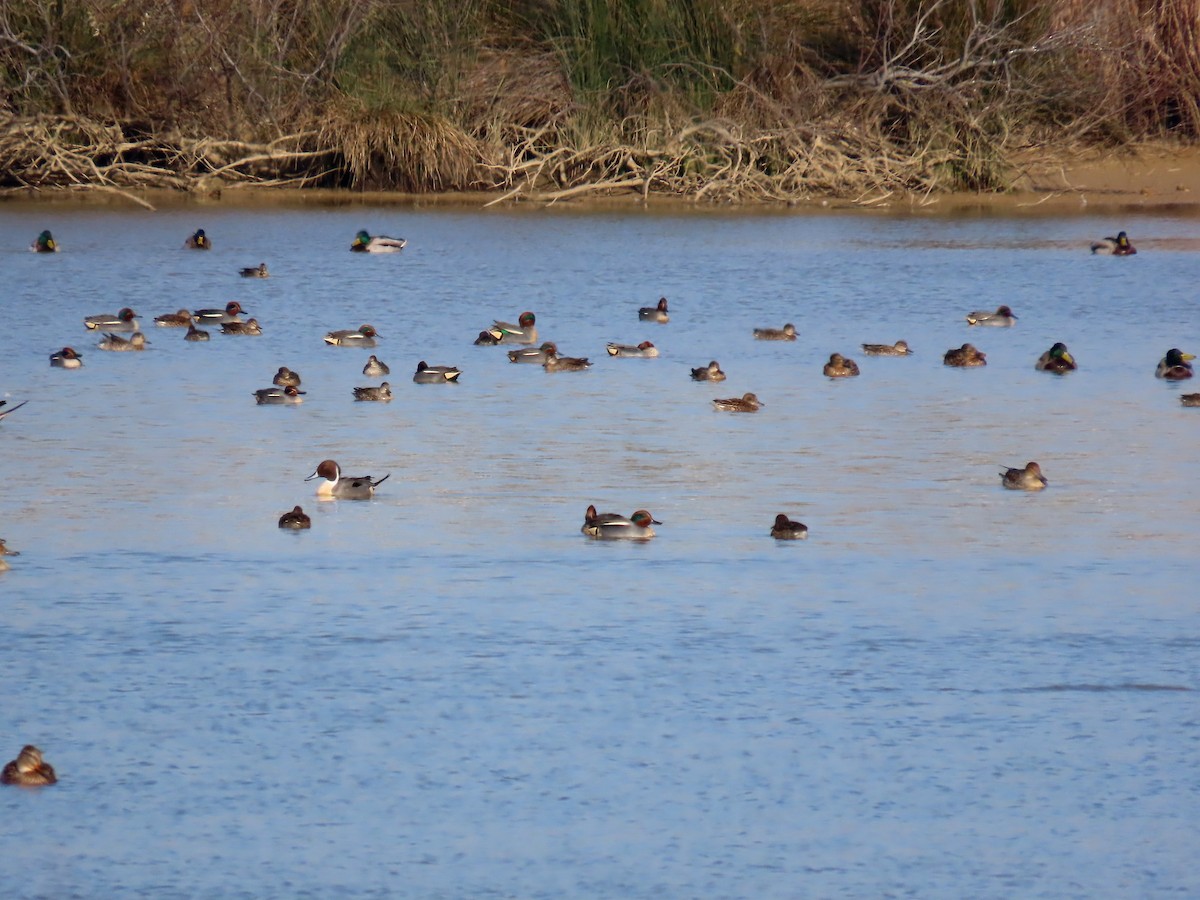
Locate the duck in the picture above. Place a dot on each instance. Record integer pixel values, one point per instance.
(181, 319)
(285, 377)
(537, 355)
(296, 519)
(259, 271)
(66, 358)
(278, 395)
(1175, 366)
(1057, 359)
(364, 243)
(44, 243)
(644, 350)
(381, 393)
(198, 241)
(363, 337)
(28, 769)
(785, 529)
(1190, 399)
(427, 374)
(524, 332)
(231, 313)
(1003, 317)
(250, 327)
(195, 334)
(711, 372)
(124, 320)
(655, 313)
(5, 412)
(610, 526)
(1029, 478)
(556, 363)
(118, 344)
(840, 367)
(1114, 246)
(786, 333)
(964, 357)
(335, 484)
(744, 403)
(4, 551)
(376, 369)
(900, 348)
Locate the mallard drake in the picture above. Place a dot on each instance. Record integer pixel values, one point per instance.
(744, 403)
(610, 526)
(964, 357)
(363, 337)
(786, 333)
(840, 367)
(1175, 366)
(28, 769)
(644, 350)
(198, 241)
(383, 393)
(364, 243)
(1003, 317)
(427, 374)
(296, 519)
(116, 343)
(785, 529)
(44, 243)
(711, 372)
(1027, 479)
(335, 484)
(900, 348)
(1114, 246)
(655, 313)
(259, 271)
(279, 395)
(1057, 359)
(524, 332)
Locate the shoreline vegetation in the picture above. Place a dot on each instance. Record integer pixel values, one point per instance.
(862, 102)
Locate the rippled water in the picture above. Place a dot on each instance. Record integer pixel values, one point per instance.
(949, 690)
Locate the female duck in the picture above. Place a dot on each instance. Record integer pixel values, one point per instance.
(786, 529)
(335, 484)
(1027, 479)
(66, 358)
(644, 350)
(1057, 360)
(900, 348)
(278, 395)
(376, 369)
(44, 243)
(524, 332)
(427, 374)
(124, 320)
(744, 403)
(711, 372)
(259, 271)
(840, 367)
(536, 355)
(198, 241)
(1175, 366)
(297, 519)
(1114, 246)
(181, 319)
(964, 357)
(4, 551)
(610, 526)
(231, 313)
(363, 337)
(556, 363)
(285, 377)
(383, 393)
(28, 769)
(1190, 399)
(1003, 317)
(250, 326)
(655, 313)
(137, 341)
(364, 243)
(786, 333)
(195, 334)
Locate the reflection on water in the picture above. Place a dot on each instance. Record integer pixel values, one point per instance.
(948, 690)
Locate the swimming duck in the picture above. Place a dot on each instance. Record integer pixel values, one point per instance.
(1114, 246)
(711, 372)
(376, 369)
(786, 333)
(44, 243)
(180, 319)
(1026, 479)
(259, 271)
(900, 348)
(124, 320)
(1003, 317)
(1190, 399)
(964, 357)
(363, 337)
(66, 358)
(610, 526)
(537, 355)
(744, 403)
(275, 395)
(198, 241)
(364, 243)
(524, 332)
(4, 551)
(381, 393)
(5, 412)
(336, 484)
(1175, 366)
(195, 334)
(840, 367)
(231, 313)
(644, 350)
(486, 339)
(28, 769)
(1057, 359)
(296, 519)
(556, 363)
(250, 326)
(285, 377)
(655, 313)
(785, 529)
(118, 344)
(427, 374)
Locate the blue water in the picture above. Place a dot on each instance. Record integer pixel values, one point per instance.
(950, 690)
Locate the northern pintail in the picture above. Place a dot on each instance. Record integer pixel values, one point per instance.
(382, 393)
(1114, 246)
(655, 313)
(537, 355)
(195, 334)
(363, 337)
(44, 243)
(427, 374)
(523, 332)
(1027, 479)
(28, 769)
(375, 368)
(66, 358)
(365, 243)
(1057, 360)
(786, 333)
(1003, 317)
(840, 367)
(181, 319)
(124, 320)
(610, 526)
(711, 372)
(964, 357)
(286, 394)
(786, 529)
(198, 241)
(295, 519)
(744, 403)
(1175, 366)
(250, 327)
(644, 350)
(259, 271)
(11, 409)
(335, 484)
(231, 313)
(900, 348)
(285, 377)
(116, 343)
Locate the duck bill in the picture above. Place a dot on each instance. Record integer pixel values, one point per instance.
(312, 476)
(1069, 358)
(1189, 356)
